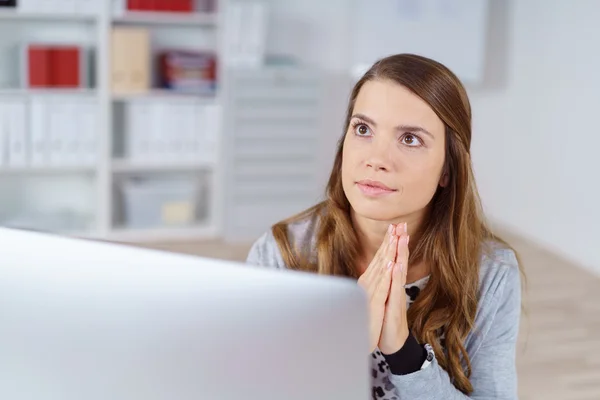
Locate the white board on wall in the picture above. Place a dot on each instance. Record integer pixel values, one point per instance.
(452, 32)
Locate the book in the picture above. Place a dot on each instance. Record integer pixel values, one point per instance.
(49, 65)
(188, 71)
(130, 60)
(66, 67)
(38, 64)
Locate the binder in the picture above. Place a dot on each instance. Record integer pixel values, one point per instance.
(190, 142)
(17, 133)
(38, 132)
(3, 136)
(139, 131)
(87, 138)
(212, 115)
(160, 134)
(58, 121)
(71, 132)
(196, 132)
(166, 133)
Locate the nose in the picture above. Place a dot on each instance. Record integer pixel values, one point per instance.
(379, 156)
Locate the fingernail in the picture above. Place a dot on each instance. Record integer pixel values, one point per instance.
(390, 228)
(390, 264)
(405, 227)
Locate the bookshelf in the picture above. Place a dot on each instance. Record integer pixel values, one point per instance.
(126, 166)
(197, 20)
(94, 190)
(16, 15)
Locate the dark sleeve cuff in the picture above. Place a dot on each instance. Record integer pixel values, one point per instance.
(408, 359)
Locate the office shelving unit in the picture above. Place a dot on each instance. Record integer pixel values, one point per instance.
(94, 29)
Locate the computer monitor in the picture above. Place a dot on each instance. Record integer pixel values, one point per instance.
(88, 320)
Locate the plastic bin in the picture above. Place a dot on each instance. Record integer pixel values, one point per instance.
(151, 203)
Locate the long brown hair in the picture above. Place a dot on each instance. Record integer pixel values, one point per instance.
(452, 236)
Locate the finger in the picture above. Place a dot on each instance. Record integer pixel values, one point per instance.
(382, 279)
(396, 304)
(373, 269)
(386, 260)
(401, 267)
(384, 285)
(385, 244)
(391, 251)
(402, 251)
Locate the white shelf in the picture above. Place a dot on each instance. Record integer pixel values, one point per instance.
(164, 94)
(50, 170)
(194, 232)
(48, 92)
(127, 166)
(198, 30)
(167, 18)
(44, 16)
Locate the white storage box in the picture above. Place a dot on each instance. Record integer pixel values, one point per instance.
(167, 202)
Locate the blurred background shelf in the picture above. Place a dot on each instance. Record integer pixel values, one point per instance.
(15, 15)
(178, 117)
(165, 94)
(196, 19)
(49, 170)
(23, 92)
(128, 166)
(195, 232)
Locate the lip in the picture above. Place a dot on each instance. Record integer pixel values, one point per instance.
(373, 188)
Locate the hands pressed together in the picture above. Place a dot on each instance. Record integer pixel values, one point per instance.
(384, 281)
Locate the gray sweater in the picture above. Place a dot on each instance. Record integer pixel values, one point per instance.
(491, 346)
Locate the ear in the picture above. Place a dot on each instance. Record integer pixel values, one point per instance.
(445, 179)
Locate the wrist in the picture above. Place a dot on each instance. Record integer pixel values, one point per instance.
(398, 343)
(408, 359)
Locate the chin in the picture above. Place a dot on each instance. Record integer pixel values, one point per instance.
(375, 210)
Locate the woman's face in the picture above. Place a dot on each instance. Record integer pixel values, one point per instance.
(393, 153)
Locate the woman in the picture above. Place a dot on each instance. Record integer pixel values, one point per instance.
(402, 215)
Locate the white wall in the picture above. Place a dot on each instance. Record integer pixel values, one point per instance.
(536, 129)
(536, 142)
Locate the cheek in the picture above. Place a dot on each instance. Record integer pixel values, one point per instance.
(347, 158)
(420, 179)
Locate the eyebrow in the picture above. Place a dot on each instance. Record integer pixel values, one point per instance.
(410, 128)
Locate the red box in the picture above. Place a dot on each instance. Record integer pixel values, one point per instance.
(133, 5)
(162, 5)
(66, 67)
(181, 6)
(151, 5)
(140, 5)
(57, 66)
(39, 66)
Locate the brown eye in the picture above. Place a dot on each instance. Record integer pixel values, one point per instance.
(362, 130)
(410, 140)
